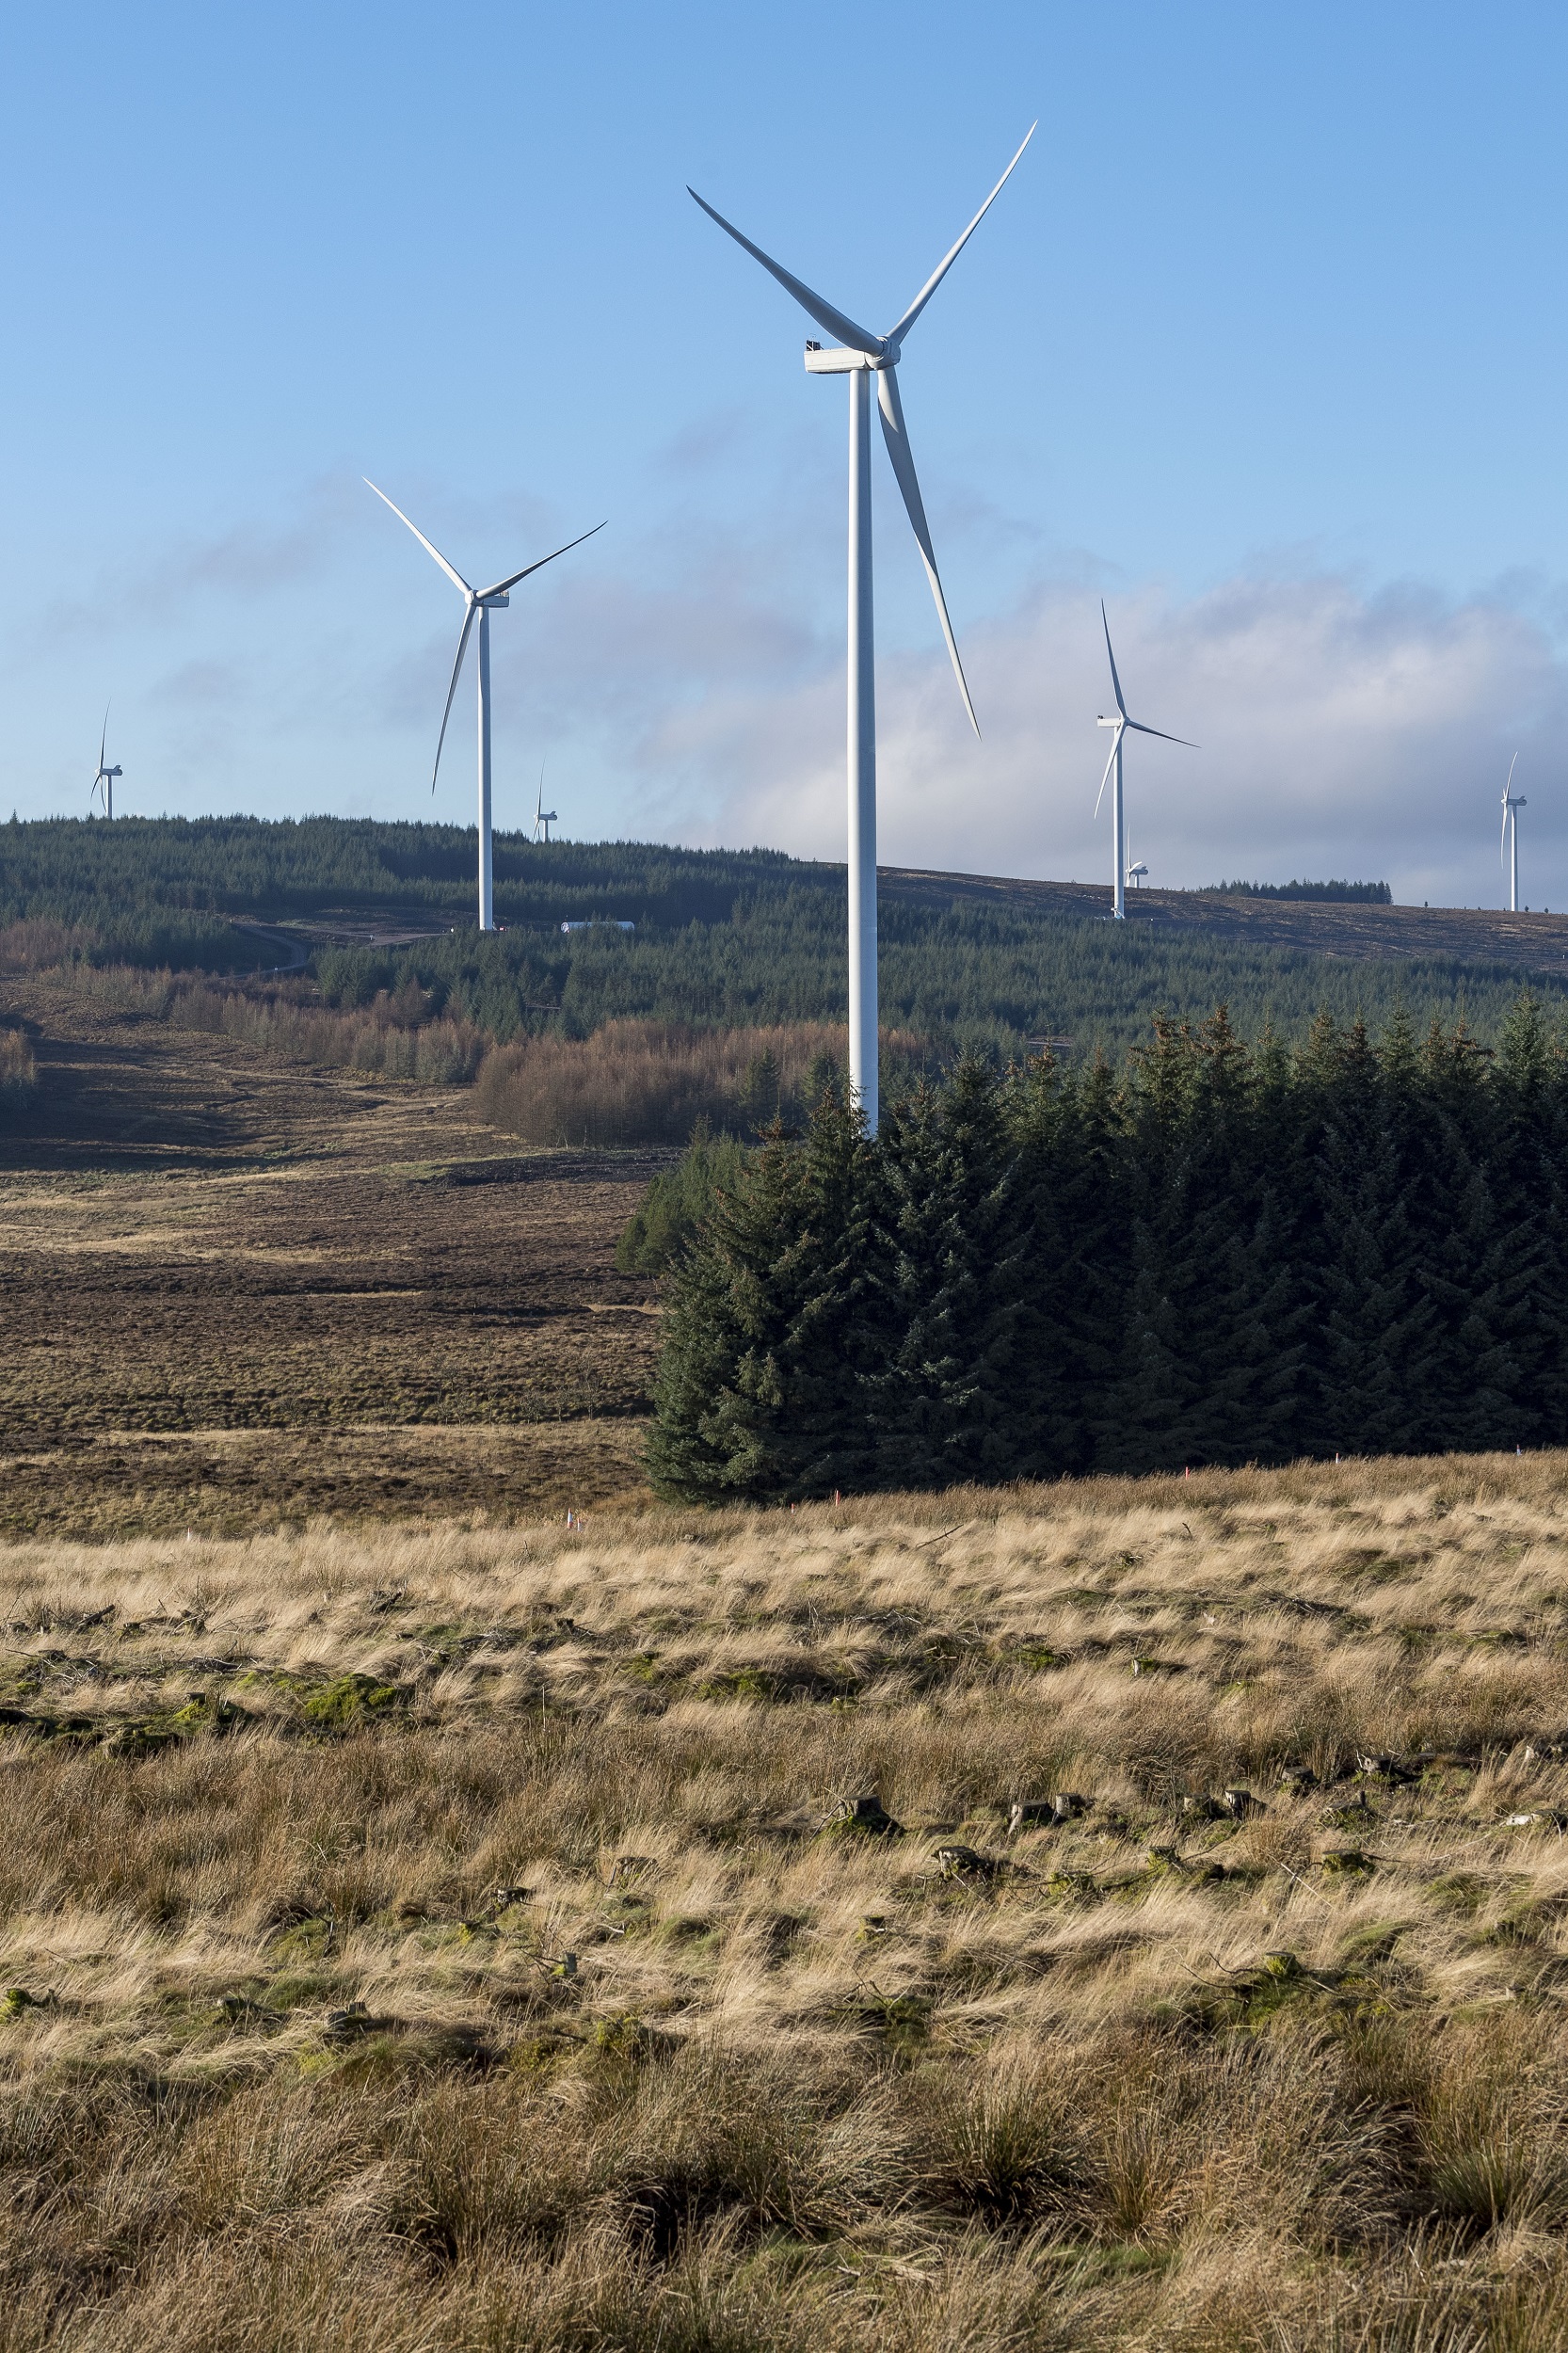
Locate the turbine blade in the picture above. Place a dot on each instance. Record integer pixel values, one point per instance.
(457, 666)
(836, 322)
(1138, 727)
(1115, 745)
(1115, 682)
(512, 577)
(895, 433)
(454, 577)
(907, 321)
(104, 741)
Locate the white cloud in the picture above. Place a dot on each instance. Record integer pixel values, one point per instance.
(687, 683)
(1341, 730)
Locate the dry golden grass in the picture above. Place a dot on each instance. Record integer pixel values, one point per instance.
(424, 1937)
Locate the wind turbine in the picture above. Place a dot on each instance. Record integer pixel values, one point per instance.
(483, 602)
(542, 816)
(861, 355)
(1118, 815)
(103, 781)
(1512, 803)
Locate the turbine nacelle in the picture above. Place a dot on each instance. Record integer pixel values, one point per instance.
(833, 360)
(862, 358)
(103, 782)
(859, 351)
(1122, 725)
(492, 600)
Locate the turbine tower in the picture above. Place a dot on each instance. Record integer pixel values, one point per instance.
(861, 355)
(1118, 813)
(103, 781)
(483, 602)
(1512, 803)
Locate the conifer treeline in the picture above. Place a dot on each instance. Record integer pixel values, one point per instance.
(730, 939)
(1223, 1254)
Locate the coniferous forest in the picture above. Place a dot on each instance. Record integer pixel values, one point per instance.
(1222, 1253)
(729, 938)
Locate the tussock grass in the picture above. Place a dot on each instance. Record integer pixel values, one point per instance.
(450, 1937)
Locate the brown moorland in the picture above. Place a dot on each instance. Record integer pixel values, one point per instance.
(1534, 939)
(235, 1289)
(1129, 1914)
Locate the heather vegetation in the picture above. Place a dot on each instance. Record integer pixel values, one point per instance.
(1226, 1254)
(1118, 1916)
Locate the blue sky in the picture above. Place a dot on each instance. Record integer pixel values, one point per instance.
(1264, 342)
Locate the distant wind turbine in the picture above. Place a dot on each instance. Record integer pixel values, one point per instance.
(1118, 815)
(1512, 803)
(861, 355)
(103, 781)
(483, 602)
(542, 816)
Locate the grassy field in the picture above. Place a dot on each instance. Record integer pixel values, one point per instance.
(452, 1937)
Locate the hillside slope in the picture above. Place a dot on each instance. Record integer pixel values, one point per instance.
(736, 937)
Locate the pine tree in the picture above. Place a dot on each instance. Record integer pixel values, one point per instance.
(1475, 1277)
(1139, 1427)
(1224, 1257)
(1527, 1179)
(1373, 1326)
(1242, 1311)
(760, 1393)
(947, 1402)
(1069, 1132)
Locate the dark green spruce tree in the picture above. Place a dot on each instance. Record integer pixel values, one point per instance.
(761, 1390)
(1474, 1273)
(948, 1401)
(1373, 1328)
(1528, 1179)
(1069, 1135)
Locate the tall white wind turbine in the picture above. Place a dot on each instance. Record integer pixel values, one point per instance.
(861, 355)
(103, 781)
(1512, 803)
(1121, 723)
(483, 601)
(542, 816)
